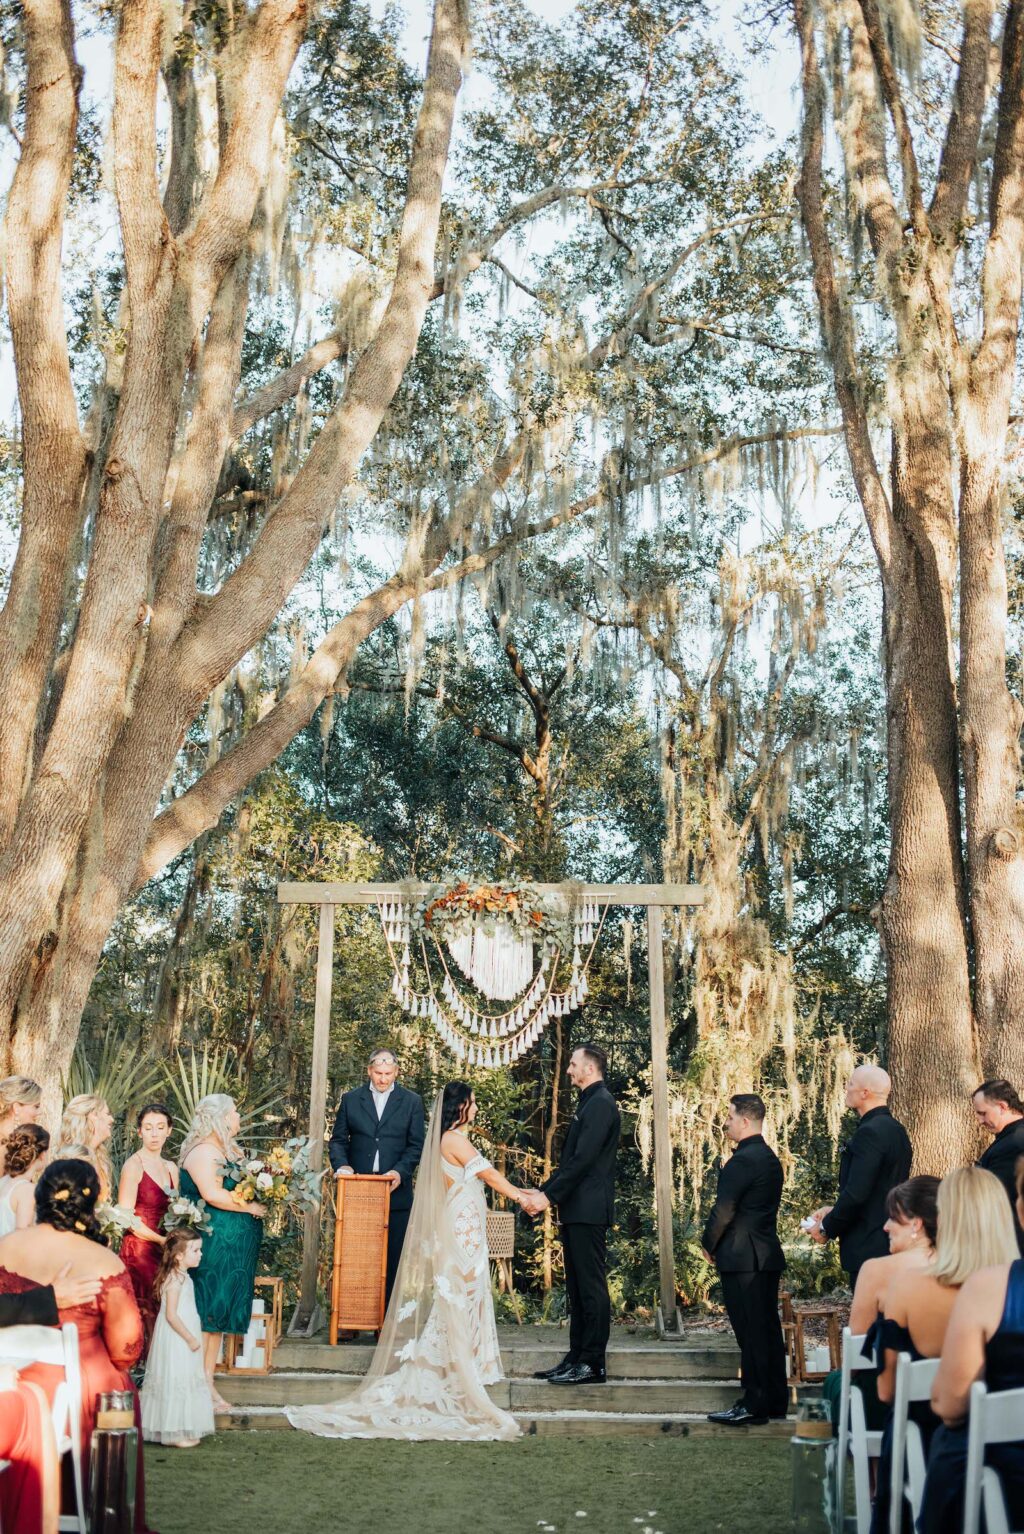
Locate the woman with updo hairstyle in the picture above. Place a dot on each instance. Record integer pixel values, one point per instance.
(26, 1157)
(66, 1241)
(88, 1123)
(20, 1098)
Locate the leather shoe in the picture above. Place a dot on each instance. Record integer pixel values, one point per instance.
(579, 1374)
(727, 1413)
(744, 1418)
(549, 1374)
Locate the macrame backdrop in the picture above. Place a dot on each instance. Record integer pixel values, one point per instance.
(501, 964)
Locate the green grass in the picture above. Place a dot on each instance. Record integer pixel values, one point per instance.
(289, 1483)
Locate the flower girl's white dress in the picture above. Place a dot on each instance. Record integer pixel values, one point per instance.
(175, 1396)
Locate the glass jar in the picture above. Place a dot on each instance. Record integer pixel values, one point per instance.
(113, 1461)
(813, 1456)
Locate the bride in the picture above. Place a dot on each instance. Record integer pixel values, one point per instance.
(438, 1348)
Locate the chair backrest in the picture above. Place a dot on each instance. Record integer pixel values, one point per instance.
(996, 1519)
(914, 1380)
(31, 1345)
(995, 1418)
(852, 1431)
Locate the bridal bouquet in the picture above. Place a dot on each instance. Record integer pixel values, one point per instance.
(281, 1178)
(185, 1214)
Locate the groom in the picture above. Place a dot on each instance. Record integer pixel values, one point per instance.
(583, 1187)
(380, 1128)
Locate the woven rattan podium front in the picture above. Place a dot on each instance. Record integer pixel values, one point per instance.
(360, 1254)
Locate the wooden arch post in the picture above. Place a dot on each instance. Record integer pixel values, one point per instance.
(656, 898)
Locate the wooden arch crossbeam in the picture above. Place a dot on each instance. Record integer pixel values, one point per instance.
(656, 898)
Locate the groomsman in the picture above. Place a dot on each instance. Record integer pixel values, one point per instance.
(583, 1187)
(999, 1111)
(876, 1158)
(741, 1238)
(380, 1128)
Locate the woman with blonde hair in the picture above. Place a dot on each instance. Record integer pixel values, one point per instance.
(84, 1132)
(20, 1097)
(984, 1341)
(975, 1229)
(224, 1280)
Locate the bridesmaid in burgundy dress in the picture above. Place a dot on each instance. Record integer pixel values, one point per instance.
(148, 1183)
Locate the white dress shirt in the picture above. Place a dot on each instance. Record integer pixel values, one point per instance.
(379, 1102)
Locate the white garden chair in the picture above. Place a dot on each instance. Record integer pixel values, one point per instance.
(21, 1345)
(995, 1418)
(854, 1438)
(914, 1379)
(997, 1519)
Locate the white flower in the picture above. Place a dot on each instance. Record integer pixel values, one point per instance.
(264, 1180)
(253, 1167)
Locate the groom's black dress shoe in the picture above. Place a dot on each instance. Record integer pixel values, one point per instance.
(579, 1374)
(549, 1374)
(727, 1413)
(743, 1418)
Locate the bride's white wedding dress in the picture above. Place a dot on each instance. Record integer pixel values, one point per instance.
(438, 1348)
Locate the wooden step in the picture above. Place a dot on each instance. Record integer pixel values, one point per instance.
(710, 1359)
(283, 1388)
(574, 1424)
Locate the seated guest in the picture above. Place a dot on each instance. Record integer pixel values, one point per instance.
(974, 1229)
(1000, 1113)
(86, 1126)
(911, 1218)
(67, 1234)
(984, 1340)
(26, 1156)
(20, 1098)
(30, 1485)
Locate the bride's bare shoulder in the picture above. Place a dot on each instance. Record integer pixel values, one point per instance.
(456, 1147)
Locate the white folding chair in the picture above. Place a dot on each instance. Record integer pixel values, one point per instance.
(995, 1418)
(997, 1520)
(20, 1345)
(914, 1380)
(854, 1438)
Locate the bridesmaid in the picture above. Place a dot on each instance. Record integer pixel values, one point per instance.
(19, 1104)
(86, 1126)
(148, 1183)
(25, 1160)
(224, 1280)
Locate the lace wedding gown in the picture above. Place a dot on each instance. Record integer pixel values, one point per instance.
(438, 1348)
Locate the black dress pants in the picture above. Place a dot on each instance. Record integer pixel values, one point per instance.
(398, 1224)
(585, 1251)
(752, 1302)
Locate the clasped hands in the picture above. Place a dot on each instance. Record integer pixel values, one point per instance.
(532, 1201)
(815, 1231)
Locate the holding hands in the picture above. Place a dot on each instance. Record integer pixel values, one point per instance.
(533, 1202)
(811, 1226)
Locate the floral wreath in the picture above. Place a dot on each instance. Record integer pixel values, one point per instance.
(441, 913)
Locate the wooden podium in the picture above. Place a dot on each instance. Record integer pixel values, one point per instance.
(361, 1208)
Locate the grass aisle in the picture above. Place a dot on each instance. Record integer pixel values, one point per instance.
(288, 1483)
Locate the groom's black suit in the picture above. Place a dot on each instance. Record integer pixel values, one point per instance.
(583, 1187)
(396, 1137)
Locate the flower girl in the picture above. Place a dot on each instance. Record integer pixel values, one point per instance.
(176, 1404)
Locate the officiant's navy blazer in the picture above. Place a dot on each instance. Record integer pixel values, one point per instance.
(398, 1135)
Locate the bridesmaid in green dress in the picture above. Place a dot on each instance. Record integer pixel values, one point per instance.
(224, 1278)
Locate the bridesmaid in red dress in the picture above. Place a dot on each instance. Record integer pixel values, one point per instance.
(148, 1183)
(67, 1240)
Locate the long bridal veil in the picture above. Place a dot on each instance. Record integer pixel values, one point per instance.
(423, 1380)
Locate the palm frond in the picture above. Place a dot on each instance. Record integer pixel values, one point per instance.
(125, 1073)
(193, 1074)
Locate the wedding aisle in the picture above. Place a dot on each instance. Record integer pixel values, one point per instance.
(289, 1483)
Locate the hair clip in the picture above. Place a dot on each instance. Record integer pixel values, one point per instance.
(79, 1225)
(60, 1194)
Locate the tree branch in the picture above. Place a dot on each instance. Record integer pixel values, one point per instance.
(53, 451)
(963, 132)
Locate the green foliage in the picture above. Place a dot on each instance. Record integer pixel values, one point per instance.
(194, 1074)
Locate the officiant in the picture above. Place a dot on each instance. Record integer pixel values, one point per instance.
(380, 1128)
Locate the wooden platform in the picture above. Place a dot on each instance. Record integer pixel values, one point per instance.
(654, 1388)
